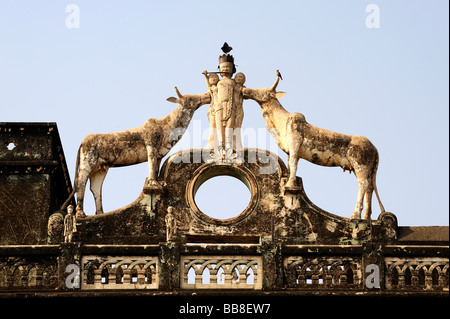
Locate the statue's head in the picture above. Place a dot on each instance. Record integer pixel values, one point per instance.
(55, 226)
(213, 79)
(70, 209)
(226, 62)
(227, 69)
(240, 78)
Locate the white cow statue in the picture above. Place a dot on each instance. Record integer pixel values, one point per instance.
(299, 139)
(150, 142)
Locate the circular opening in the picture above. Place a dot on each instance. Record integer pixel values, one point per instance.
(229, 186)
(223, 197)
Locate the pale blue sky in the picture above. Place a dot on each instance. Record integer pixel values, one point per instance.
(389, 84)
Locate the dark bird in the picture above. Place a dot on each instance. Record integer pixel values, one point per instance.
(226, 48)
(279, 75)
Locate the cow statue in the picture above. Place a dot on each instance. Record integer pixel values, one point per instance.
(150, 142)
(299, 139)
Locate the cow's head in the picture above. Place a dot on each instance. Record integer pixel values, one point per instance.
(190, 101)
(263, 95)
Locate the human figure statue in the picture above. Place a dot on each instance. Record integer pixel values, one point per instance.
(239, 101)
(70, 225)
(226, 113)
(171, 225)
(211, 82)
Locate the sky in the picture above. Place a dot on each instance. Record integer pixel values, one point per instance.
(373, 68)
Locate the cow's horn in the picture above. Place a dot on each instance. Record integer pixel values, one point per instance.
(178, 92)
(274, 86)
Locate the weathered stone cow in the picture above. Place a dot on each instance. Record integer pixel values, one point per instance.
(150, 142)
(299, 139)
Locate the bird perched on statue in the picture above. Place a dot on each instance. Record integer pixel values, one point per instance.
(279, 75)
(226, 48)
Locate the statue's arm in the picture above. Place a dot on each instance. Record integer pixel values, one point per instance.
(205, 73)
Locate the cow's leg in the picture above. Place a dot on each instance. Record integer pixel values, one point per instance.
(293, 158)
(293, 164)
(153, 168)
(294, 136)
(362, 188)
(88, 162)
(368, 201)
(81, 182)
(152, 164)
(96, 188)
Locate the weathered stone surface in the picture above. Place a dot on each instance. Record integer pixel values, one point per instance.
(422, 235)
(34, 181)
(273, 214)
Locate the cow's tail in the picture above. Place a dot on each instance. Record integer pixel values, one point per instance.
(374, 183)
(77, 166)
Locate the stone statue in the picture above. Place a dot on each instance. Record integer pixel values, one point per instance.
(299, 139)
(211, 82)
(171, 224)
(239, 110)
(150, 142)
(55, 228)
(225, 114)
(70, 225)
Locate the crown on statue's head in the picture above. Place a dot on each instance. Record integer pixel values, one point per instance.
(226, 57)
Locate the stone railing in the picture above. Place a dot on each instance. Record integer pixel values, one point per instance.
(29, 267)
(268, 267)
(325, 272)
(221, 272)
(119, 272)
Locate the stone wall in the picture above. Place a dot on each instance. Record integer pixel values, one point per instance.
(34, 181)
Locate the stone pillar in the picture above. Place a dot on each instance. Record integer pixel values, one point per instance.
(372, 265)
(272, 266)
(69, 266)
(169, 270)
